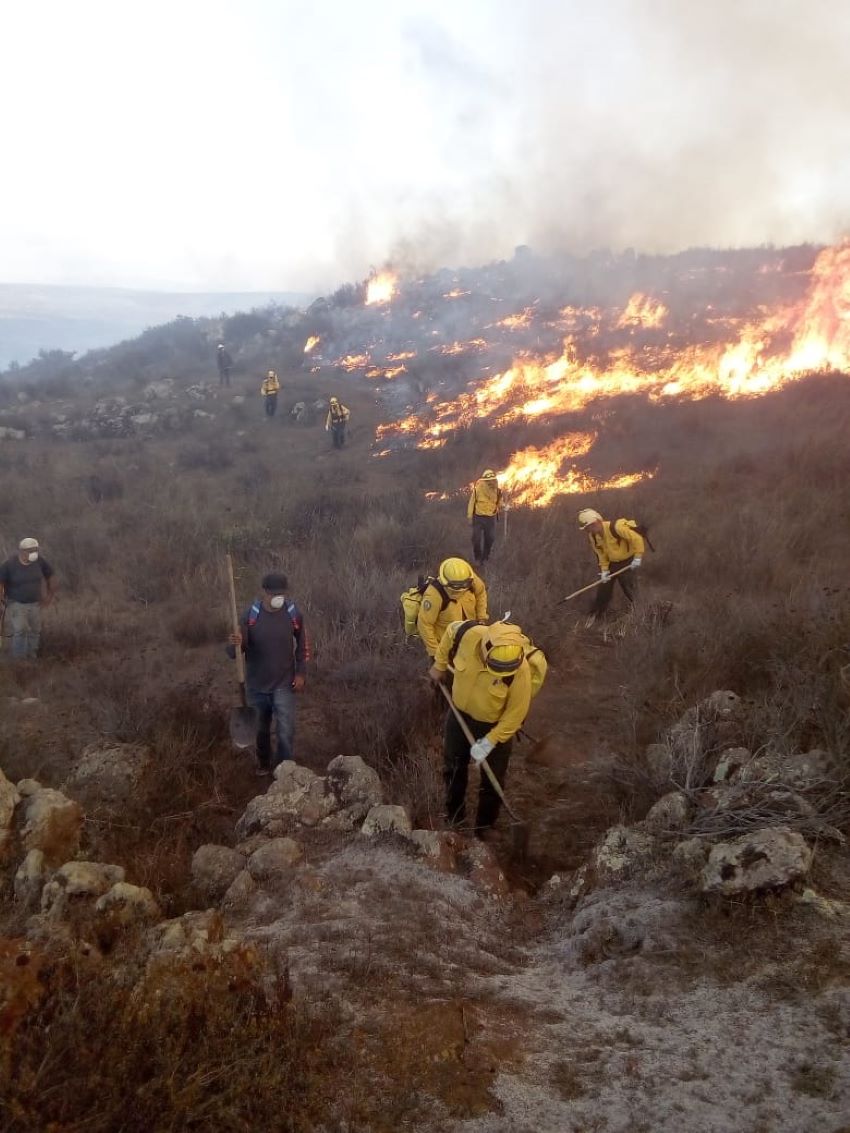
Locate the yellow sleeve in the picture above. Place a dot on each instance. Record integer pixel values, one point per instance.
(470, 508)
(600, 552)
(516, 707)
(426, 622)
(346, 413)
(441, 657)
(636, 543)
(480, 592)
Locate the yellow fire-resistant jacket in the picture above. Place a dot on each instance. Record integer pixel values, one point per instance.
(480, 693)
(433, 621)
(341, 414)
(616, 548)
(270, 385)
(484, 498)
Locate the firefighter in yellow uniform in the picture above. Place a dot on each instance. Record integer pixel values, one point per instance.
(337, 419)
(491, 688)
(270, 389)
(456, 594)
(618, 548)
(482, 512)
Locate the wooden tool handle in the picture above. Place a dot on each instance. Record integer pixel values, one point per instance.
(234, 618)
(483, 764)
(591, 585)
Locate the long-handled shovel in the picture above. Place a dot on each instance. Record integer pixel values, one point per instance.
(519, 830)
(598, 582)
(243, 719)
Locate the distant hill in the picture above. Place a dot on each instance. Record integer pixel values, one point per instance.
(34, 318)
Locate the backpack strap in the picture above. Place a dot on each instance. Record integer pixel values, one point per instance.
(254, 612)
(462, 629)
(445, 597)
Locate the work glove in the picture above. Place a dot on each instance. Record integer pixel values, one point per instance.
(481, 749)
(604, 575)
(636, 561)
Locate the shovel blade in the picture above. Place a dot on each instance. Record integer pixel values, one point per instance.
(243, 727)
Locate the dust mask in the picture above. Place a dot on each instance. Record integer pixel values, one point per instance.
(277, 602)
(32, 557)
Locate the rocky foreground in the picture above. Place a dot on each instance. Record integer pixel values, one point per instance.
(692, 975)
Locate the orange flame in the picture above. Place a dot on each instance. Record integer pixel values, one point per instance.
(311, 343)
(461, 347)
(455, 294)
(352, 362)
(381, 288)
(517, 322)
(641, 311)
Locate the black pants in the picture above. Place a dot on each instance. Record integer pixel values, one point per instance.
(271, 404)
(483, 536)
(605, 592)
(338, 434)
(224, 377)
(456, 760)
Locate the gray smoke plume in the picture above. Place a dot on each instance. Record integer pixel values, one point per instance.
(654, 124)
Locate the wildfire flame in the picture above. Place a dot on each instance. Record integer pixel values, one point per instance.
(641, 311)
(772, 349)
(517, 322)
(534, 477)
(311, 343)
(455, 294)
(381, 288)
(461, 347)
(352, 362)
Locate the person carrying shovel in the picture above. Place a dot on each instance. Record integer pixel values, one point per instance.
(619, 548)
(490, 698)
(272, 636)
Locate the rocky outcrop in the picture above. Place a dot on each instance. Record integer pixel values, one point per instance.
(110, 773)
(76, 882)
(766, 859)
(274, 860)
(9, 799)
(214, 869)
(52, 823)
(299, 797)
(30, 878)
(355, 786)
(385, 819)
(124, 904)
(623, 852)
(671, 812)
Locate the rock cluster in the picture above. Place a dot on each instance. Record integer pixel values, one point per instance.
(724, 823)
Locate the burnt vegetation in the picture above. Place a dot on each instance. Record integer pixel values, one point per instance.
(747, 590)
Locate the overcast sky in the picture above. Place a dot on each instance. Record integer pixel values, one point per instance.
(258, 144)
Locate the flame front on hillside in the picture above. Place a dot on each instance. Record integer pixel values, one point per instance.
(381, 288)
(779, 346)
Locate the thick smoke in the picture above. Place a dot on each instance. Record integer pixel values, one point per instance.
(652, 124)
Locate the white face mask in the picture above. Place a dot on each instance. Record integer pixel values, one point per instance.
(32, 557)
(277, 602)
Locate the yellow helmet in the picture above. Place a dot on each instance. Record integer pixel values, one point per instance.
(271, 374)
(456, 574)
(334, 401)
(503, 659)
(587, 516)
(488, 474)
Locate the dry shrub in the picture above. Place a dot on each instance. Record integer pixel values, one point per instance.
(195, 626)
(184, 1047)
(213, 454)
